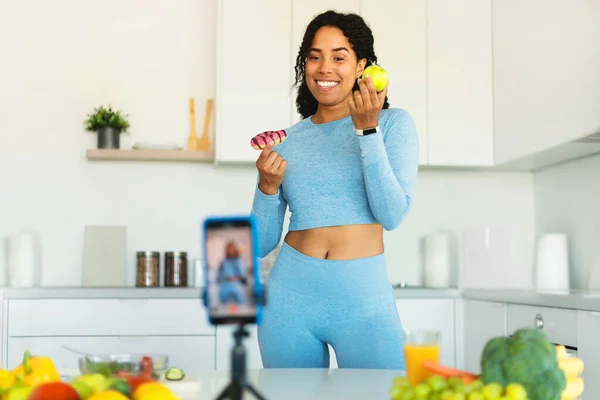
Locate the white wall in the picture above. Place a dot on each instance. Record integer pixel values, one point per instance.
(62, 58)
(566, 200)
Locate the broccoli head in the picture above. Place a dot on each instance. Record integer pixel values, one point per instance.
(527, 358)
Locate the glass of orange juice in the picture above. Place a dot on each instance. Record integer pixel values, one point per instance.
(419, 346)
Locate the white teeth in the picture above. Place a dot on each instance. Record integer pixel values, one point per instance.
(327, 84)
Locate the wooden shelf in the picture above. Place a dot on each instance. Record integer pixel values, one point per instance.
(149, 155)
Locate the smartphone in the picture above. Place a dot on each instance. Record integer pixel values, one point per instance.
(233, 291)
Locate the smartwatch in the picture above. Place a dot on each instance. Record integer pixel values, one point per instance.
(368, 131)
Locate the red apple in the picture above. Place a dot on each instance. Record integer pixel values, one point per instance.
(378, 75)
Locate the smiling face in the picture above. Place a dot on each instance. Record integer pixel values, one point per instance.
(332, 67)
(231, 251)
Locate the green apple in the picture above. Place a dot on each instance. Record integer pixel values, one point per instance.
(378, 75)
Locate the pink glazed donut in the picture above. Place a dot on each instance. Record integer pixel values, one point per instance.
(263, 139)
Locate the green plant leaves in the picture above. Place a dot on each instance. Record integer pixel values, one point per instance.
(106, 117)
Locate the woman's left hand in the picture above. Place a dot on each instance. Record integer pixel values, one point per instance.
(365, 104)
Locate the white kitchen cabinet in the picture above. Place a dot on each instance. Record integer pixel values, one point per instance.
(588, 349)
(190, 353)
(431, 314)
(253, 74)
(302, 13)
(399, 29)
(482, 321)
(546, 80)
(559, 324)
(107, 317)
(459, 78)
(225, 342)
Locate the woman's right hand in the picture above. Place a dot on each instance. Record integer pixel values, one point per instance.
(271, 167)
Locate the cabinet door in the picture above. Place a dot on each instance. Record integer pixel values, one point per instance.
(302, 13)
(431, 314)
(190, 353)
(546, 79)
(483, 321)
(588, 349)
(399, 29)
(253, 74)
(460, 106)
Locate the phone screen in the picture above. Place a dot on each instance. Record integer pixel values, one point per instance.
(230, 272)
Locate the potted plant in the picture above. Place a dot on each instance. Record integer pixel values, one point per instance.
(108, 124)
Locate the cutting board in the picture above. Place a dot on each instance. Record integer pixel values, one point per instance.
(186, 389)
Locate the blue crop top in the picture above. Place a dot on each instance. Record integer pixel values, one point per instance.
(335, 177)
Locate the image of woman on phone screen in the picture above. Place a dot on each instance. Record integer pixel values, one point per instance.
(347, 172)
(231, 276)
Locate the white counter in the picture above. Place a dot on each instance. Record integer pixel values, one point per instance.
(172, 293)
(571, 299)
(296, 384)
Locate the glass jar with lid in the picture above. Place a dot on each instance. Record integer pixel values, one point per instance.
(148, 269)
(176, 269)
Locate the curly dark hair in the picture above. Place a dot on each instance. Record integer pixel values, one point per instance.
(360, 37)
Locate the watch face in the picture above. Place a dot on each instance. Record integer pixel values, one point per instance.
(369, 131)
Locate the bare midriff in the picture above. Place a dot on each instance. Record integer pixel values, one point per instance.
(338, 242)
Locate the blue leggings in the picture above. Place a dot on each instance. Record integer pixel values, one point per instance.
(231, 291)
(348, 304)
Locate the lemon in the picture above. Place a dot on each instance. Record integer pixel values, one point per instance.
(150, 390)
(108, 395)
(515, 391)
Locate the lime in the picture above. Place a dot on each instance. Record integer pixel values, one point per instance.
(83, 389)
(96, 381)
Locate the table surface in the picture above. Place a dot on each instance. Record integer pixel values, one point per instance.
(295, 384)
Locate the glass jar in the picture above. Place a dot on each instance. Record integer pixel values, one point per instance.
(176, 269)
(148, 269)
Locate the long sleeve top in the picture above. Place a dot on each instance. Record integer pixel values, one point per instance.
(335, 177)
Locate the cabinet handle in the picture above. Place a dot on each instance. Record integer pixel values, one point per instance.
(539, 321)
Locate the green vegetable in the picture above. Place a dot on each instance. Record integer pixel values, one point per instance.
(120, 385)
(174, 374)
(527, 358)
(109, 368)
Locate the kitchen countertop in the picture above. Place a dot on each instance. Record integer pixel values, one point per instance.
(171, 293)
(570, 299)
(297, 384)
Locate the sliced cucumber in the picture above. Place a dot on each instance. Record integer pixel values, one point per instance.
(174, 374)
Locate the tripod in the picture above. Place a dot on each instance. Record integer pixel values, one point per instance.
(239, 384)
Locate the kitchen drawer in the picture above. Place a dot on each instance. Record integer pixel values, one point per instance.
(190, 353)
(107, 317)
(559, 324)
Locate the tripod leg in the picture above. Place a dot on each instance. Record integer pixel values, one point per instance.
(224, 395)
(253, 390)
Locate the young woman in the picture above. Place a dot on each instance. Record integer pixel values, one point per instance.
(232, 272)
(346, 171)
